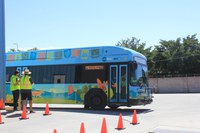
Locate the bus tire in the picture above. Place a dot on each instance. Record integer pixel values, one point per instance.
(96, 98)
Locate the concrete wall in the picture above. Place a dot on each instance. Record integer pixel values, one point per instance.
(175, 85)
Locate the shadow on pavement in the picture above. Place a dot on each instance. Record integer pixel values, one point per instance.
(3, 113)
(125, 112)
(13, 115)
(6, 112)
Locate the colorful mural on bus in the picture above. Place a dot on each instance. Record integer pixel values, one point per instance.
(61, 93)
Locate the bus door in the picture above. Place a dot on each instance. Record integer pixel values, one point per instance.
(118, 83)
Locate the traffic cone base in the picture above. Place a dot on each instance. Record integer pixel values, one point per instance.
(135, 123)
(47, 114)
(120, 128)
(23, 118)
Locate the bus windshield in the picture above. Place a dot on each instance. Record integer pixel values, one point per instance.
(138, 75)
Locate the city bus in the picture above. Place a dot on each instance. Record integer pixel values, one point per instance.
(94, 76)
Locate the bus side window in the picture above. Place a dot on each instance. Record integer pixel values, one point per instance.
(59, 79)
(8, 78)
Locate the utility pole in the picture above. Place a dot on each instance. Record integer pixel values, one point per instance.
(2, 52)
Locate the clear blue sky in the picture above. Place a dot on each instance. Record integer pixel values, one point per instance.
(52, 24)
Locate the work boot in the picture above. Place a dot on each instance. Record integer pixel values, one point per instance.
(31, 111)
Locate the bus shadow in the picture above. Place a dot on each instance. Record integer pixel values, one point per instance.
(125, 112)
(12, 114)
(6, 112)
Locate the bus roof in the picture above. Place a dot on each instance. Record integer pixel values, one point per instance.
(101, 54)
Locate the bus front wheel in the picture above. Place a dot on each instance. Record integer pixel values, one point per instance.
(96, 98)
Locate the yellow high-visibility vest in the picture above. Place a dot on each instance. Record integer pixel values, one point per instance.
(25, 82)
(14, 85)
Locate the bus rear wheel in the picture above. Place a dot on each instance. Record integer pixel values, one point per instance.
(96, 98)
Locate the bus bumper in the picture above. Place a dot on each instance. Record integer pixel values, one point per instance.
(140, 101)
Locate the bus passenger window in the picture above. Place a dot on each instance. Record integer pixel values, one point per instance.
(8, 78)
(59, 79)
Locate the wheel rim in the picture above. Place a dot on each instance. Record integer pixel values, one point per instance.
(96, 101)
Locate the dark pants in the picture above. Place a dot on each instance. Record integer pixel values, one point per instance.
(15, 98)
(26, 94)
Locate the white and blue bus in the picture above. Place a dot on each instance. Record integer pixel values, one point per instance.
(94, 76)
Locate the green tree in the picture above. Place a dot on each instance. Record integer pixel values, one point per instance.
(172, 51)
(14, 50)
(191, 54)
(180, 56)
(33, 49)
(135, 44)
(170, 57)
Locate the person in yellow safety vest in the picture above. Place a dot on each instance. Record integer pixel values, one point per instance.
(15, 88)
(26, 89)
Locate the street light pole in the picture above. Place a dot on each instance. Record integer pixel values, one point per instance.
(2, 52)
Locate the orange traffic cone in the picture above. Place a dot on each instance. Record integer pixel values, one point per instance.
(1, 104)
(46, 112)
(104, 127)
(1, 119)
(54, 131)
(82, 129)
(24, 116)
(120, 123)
(134, 119)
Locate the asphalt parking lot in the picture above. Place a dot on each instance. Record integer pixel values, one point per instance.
(169, 113)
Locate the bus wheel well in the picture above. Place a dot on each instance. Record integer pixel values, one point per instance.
(95, 98)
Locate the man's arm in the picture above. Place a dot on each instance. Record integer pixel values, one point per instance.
(31, 81)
